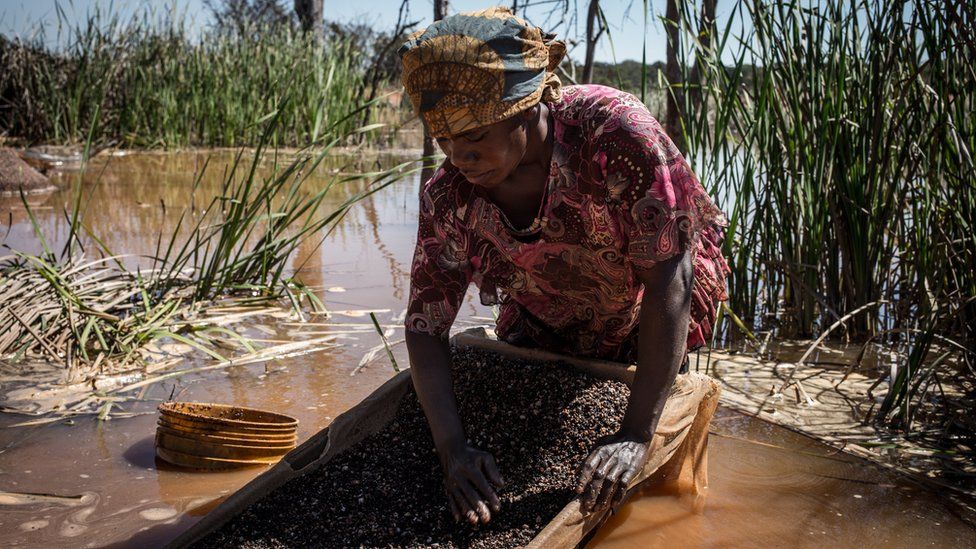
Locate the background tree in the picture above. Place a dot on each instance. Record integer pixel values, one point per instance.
(594, 30)
(440, 11)
(245, 17)
(382, 50)
(309, 14)
(706, 33)
(672, 72)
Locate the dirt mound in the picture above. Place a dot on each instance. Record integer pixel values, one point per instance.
(17, 175)
(538, 421)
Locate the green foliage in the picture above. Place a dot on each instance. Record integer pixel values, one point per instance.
(845, 164)
(246, 235)
(157, 87)
(98, 314)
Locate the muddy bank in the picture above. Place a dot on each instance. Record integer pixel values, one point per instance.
(832, 402)
(17, 175)
(539, 422)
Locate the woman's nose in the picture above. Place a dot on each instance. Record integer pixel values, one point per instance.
(462, 156)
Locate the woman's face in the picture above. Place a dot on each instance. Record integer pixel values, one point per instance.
(487, 155)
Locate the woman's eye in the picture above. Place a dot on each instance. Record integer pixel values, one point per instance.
(474, 139)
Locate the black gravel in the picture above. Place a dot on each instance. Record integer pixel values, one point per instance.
(539, 422)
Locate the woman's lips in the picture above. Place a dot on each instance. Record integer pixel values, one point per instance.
(476, 177)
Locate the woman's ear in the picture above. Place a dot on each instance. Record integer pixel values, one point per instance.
(530, 114)
(527, 116)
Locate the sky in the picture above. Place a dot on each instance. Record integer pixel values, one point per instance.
(21, 17)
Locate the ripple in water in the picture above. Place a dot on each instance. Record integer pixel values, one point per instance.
(33, 525)
(158, 513)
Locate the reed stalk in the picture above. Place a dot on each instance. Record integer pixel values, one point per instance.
(839, 138)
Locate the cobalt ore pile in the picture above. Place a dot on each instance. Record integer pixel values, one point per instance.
(538, 421)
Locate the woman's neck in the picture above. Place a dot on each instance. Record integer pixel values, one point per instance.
(538, 150)
(529, 178)
(521, 195)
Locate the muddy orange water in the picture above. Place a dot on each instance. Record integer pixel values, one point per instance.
(84, 483)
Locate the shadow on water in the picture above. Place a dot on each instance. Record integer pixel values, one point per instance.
(142, 454)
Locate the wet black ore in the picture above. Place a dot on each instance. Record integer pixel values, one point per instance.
(539, 422)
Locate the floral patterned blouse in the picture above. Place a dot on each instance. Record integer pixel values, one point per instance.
(619, 196)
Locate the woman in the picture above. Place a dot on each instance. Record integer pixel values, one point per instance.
(571, 209)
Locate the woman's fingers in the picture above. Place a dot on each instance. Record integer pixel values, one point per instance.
(589, 480)
(611, 485)
(491, 469)
(478, 508)
(454, 507)
(625, 478)
(600, 481)
(618, 496)
(465, 510)
(488, 494)
(628, 475)
(586, 472)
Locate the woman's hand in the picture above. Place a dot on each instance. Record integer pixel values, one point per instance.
(661, 344)
(468, 478)
(605, 474)
(468, 473)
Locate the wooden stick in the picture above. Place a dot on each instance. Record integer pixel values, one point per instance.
(823, 336)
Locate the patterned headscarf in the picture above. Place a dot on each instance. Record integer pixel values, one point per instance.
(474, 69)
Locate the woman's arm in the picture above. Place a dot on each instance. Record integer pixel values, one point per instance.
(430, 370)
(468, 473)
(437, 288)
(664, 319)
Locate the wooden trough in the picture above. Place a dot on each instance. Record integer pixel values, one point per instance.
(678, 453)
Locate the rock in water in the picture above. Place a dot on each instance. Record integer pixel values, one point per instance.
(17, 175)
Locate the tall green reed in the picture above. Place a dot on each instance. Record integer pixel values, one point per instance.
(97, 314)
(838, 135)
(157, 86)
(244, 238)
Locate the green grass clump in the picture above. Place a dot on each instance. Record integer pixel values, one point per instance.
(839, 137)
(156, 86)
